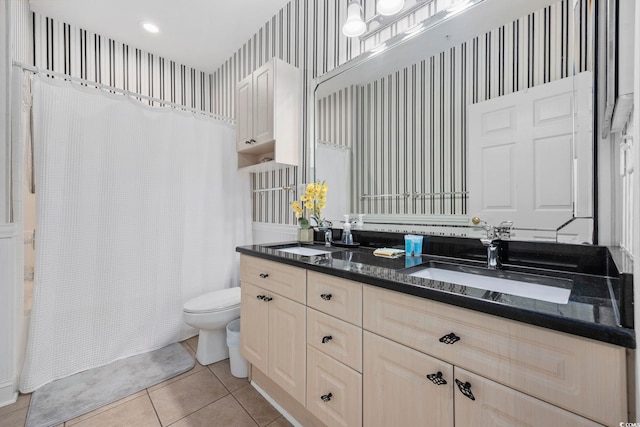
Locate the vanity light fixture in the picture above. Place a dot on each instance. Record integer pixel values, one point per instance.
(150, 27)
(354, 25)
(389, 7)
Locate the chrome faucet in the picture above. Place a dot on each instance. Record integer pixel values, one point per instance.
(493, 253)
(493, 241)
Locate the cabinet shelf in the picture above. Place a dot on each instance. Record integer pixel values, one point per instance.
(268, 105)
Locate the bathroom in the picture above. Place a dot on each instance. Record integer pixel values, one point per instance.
(309, 35)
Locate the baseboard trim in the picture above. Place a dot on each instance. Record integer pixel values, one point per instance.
(276, 405)
(8, 394)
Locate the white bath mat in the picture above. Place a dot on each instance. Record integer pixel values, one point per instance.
(70, 397)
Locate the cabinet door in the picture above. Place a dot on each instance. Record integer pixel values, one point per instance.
(287, 345)
(244, 113)
(334, 392)
(397, 391)
(263, 103)
(253, 324)
(487, 403)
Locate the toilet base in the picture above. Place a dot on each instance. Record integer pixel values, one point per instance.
(212, 346)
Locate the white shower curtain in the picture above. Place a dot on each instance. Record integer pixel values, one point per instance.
(138, 210)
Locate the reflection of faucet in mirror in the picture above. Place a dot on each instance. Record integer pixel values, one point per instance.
(493, 241)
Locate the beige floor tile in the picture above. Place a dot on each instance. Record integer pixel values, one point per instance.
(22, 402)
(256, 405)
(105, 408)
(222, 370)
(196, 368)
(193, 342)
(225, 412)
(280, 422)
(138, 412)
(187, 395)
(14, 418)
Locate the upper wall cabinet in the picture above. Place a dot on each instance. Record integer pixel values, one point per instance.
(268, 108)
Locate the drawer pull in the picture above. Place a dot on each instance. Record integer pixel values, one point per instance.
(450, 338)
(465, 388)
(326, 397)
(325, 297)
(264, 275)
(326, 339)
(437, 378)
(261, 297)
(267, 299)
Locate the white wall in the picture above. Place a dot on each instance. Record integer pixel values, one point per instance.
(15, 44)
(636, 195)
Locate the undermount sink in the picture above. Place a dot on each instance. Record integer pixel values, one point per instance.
(533, 286)
(304, 251)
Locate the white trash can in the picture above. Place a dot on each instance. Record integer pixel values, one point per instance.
(239, 365)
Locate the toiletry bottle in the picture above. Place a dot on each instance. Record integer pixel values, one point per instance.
(347, 238)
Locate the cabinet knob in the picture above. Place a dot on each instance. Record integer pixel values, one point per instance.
(251, 141)
(264, 275)
(325, 297)
(326, 397)
(450, 338)
(267, 299)
(437, 378)
(465, 388)
(326, 339)
(260, 297)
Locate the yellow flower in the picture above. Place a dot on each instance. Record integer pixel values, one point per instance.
(313, 200)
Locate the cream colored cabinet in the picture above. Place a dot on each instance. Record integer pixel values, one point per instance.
(484, 403)
(334, 391)
(268, 104)
(582, 376)
(334, 349)
(403, 387)
(273, 326)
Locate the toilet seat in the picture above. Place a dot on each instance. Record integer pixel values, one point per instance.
(211, 302)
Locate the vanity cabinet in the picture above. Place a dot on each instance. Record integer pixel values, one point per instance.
(334, 350)
(268, 104)
(397, 390)
(273, 322)
(580, 376)
(353, 354)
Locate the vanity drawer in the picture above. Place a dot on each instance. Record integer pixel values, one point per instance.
(581, 375)
(496, 405)
(336, 338)
(334, 391)
(283, 279)
(337, 297)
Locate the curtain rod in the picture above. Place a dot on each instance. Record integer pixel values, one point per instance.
(36, 70)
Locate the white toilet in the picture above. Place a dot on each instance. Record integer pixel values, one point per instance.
(210, 313)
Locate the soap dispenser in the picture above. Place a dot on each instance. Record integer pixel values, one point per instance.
(347, 238)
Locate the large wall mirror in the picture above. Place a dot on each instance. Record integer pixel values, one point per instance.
(486, 112)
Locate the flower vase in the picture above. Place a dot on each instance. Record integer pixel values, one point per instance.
(305, 235)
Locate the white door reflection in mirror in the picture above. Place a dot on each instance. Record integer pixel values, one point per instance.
(530, 157)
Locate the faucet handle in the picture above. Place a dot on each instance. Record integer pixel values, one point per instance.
(503, 231)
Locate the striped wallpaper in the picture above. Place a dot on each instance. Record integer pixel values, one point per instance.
(412, 123)
(307, 34)
(70, 50)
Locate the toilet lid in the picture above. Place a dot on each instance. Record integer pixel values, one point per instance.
(214, 301)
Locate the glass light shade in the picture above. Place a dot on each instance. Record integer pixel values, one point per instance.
(389, 7)
(354, 26)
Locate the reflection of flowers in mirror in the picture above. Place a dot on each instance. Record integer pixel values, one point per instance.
(311, 204)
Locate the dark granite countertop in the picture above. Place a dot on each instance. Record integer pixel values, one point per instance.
(596, 307)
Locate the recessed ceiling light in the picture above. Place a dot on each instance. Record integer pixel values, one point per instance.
(150, 27)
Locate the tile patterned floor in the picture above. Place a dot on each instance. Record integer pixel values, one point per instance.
(205, 396)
